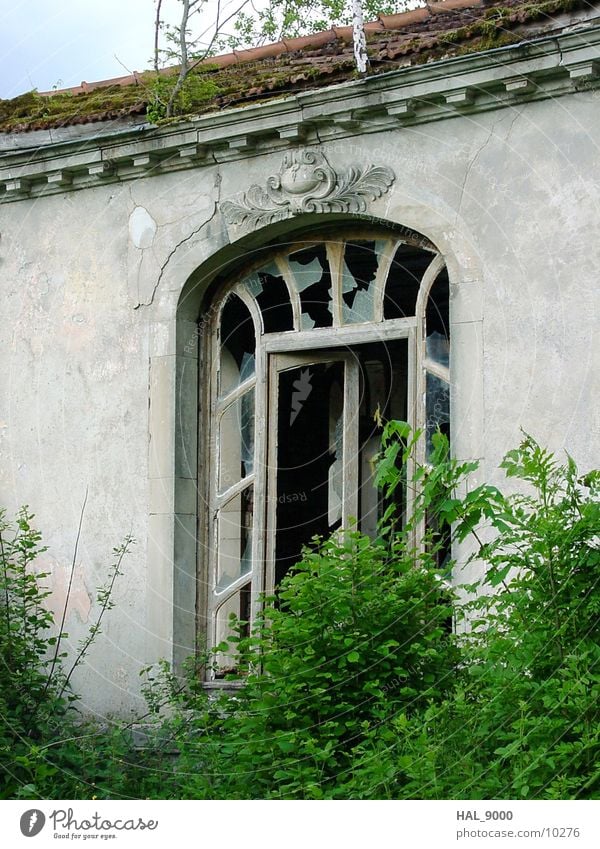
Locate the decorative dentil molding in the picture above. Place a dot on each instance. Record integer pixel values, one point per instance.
(47, 162)
(306, 182)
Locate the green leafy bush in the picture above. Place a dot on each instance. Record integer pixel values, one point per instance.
(353, 684)
(523, 717)
(364, 693)
(40, 750)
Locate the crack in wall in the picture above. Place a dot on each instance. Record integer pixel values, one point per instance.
(518, 113)
(217, 185)
(471, 165)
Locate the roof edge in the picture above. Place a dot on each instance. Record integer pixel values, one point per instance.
(317, 39)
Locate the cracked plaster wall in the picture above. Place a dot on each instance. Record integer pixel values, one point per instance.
(89, 283)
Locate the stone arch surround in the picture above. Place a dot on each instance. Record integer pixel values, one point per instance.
(173, 385)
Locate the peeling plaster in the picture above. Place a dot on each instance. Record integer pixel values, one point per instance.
(149, 301)
(154, 242)
(142, 228)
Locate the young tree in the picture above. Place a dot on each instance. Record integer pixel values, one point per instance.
(182, 48)
(205, 29)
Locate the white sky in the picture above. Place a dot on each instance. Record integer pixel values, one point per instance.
(47, 43)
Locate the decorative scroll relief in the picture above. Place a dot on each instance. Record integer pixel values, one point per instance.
(306, 182)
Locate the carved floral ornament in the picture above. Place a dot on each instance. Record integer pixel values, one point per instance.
(306, 182)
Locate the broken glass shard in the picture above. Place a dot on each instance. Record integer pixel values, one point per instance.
(312, 279)
(437, 408)
(437, 321)
(237, 353)
(359, 270)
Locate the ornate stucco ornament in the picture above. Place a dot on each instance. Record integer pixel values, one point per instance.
(306, 182)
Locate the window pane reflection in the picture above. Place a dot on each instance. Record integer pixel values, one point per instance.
(234, 539)
(238, 606)
(236, 441)
(437, 408)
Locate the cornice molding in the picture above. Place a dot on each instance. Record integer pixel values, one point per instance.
(547, 67)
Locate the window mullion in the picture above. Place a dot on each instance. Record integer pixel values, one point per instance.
(260, 484)
(385, 261)
(335, 256)
(226, 400)
(234, 490)
(288, 276)
(350, 450)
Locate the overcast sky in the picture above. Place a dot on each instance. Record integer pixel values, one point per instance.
(48, 43)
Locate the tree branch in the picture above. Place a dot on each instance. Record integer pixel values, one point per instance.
(183, 68)
(156, 36)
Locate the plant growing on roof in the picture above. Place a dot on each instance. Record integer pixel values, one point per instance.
(175, 92)
(179, 49)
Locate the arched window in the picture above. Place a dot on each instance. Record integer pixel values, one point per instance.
(306, 345)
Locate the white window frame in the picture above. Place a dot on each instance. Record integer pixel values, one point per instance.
(299, 343)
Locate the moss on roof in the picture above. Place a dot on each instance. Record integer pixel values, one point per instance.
(32, 111)
(443, 34)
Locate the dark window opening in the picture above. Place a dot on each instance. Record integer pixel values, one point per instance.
(309, 455)
(437, 321)
(404, 278)
(383, 393)
(238, 345)
(274, 301)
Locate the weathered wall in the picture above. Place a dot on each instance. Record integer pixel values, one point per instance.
(90, 282)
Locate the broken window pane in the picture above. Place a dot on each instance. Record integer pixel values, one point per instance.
(312, 278)
(437, 408)
(269, 288)
(437, 322)
(309, 457)
(237, 345)
(404, 277)
(234, 539)
(359, 269)
(236, 441)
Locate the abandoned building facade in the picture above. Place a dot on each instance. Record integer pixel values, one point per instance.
(202, 318)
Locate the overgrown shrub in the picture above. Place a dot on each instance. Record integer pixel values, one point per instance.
(353, 684)
(524, 717)
(40, 741)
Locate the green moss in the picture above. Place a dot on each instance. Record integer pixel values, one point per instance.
(484, 43)
(31, 110)
(21, 106)
(455, 35)
(195, 93)
(492, 30)
(211, 87)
